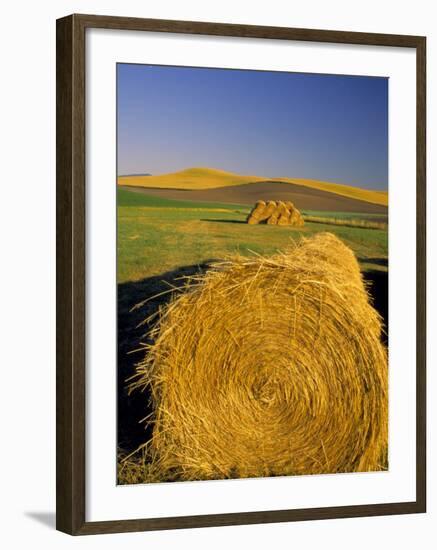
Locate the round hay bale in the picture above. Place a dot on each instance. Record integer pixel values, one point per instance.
(270, 208)
(283, 214)
(296, 219)
(269, 366)
(274, 216)
(256, 212)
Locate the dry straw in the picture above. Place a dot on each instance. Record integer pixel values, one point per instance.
(269, 366)
(261, 212)
(275, 213)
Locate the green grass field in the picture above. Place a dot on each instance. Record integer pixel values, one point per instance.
(158, 235)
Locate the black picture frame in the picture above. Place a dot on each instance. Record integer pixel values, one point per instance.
(71, 280)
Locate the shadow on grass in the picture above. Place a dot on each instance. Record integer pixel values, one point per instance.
(374, 261)
(223, 221)
(377, 282)
(131, 409)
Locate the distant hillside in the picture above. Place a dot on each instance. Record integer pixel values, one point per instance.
(135, 175)
(366, 195)
(198, 179)
(192, 178)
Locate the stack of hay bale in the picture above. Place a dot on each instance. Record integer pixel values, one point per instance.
(275, 213)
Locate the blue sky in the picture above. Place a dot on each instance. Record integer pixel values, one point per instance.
(271, 124)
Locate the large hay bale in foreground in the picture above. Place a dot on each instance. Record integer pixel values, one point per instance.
(269, 366)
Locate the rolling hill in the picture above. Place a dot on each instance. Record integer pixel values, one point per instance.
(305, 198)
(203, 179)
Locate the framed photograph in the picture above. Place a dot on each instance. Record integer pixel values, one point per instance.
(240, 274)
